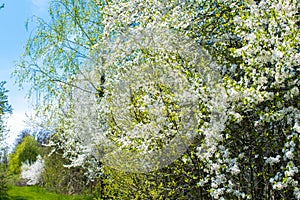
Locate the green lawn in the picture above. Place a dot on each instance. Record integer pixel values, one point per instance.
(37, 193)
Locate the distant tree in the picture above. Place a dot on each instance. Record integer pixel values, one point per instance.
(42, 136)
(24, 133)
(27, 151)
(5, 108)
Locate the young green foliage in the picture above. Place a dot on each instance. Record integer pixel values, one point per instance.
(27, 151)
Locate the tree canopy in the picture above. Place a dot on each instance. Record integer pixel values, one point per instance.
(201, 97)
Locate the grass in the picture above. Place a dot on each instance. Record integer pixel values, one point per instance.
(38, 193)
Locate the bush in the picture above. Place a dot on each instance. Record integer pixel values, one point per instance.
(26, 151)
(56, 177)
(3, 182)
(32, 173)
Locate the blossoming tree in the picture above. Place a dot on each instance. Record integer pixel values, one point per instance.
(139, 85)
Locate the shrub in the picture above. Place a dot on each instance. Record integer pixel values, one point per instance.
(26, 151)
(32, 173)
(3, 182)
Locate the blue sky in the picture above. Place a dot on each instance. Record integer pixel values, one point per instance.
(13, 37)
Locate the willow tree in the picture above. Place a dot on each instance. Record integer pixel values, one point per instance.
(208, 87)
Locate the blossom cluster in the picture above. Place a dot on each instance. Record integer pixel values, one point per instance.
(32, 173)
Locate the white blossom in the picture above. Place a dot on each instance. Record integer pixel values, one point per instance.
(32, 173)
(297, 193)
(289, 155)
(278, 186)
(273, 160)
(235, 169)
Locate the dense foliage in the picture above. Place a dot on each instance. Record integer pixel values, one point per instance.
(172, 99)
(70, 181)
(26, 152)
(3, 182)
(5, 109)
